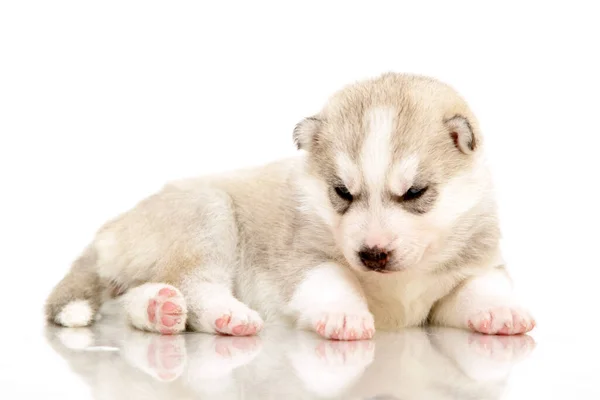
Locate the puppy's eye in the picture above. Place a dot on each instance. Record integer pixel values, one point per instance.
(414, 193)
(343, 192)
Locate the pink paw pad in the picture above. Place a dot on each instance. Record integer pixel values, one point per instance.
(229, 325)
(502, 321)
(345, 327)
(167, 292)
(166, 311)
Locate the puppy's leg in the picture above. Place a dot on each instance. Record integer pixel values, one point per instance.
(207, 283)
(183, 244)
(484, 304)
(205, 304)
(331, 302)
(214, 309)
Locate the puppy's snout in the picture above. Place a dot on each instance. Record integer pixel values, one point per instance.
(374, 258)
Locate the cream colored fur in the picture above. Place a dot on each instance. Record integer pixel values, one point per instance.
(277, 243)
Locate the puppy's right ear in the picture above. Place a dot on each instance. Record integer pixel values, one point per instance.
(307, 131)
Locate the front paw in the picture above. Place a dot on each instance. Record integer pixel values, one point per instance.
(501, 321)
(344, 325)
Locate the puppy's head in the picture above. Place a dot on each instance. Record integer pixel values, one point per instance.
(393, 164)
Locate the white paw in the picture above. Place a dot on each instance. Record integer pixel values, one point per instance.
(501, 321)
(234, 319)
(77, 313)
(344, 325)
(166, 311)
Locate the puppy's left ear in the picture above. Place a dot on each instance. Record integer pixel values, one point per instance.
(307, 131)
(463, 133)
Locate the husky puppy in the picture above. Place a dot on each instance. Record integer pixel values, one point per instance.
(386, 220)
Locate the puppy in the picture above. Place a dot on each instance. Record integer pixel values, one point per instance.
(387, 219)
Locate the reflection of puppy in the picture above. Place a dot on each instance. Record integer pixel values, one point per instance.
(388, 214)
(444, 363)
(384, 397)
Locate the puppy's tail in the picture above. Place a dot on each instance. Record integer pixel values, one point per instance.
(76, 299)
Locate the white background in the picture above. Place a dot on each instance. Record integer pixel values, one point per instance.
(103, 102)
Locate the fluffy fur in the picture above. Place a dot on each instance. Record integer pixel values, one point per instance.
(387, 220)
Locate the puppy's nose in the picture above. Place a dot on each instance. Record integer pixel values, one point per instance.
(374, 258)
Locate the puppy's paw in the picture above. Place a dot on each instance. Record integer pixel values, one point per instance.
(344, 325)
(75, 314)
(235, 319)
(501, 321)
(166, 311)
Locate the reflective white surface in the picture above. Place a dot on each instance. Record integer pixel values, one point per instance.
(112, 361)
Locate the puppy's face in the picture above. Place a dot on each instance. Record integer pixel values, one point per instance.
(393, 164)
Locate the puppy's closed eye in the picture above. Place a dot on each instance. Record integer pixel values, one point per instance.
(343, 192)
(414, 193)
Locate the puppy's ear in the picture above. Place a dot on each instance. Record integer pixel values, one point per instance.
(462, 133)
(307, 131)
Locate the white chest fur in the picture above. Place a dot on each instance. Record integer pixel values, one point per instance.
(404, 299)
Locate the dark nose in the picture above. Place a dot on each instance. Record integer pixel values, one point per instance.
(374, 258)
